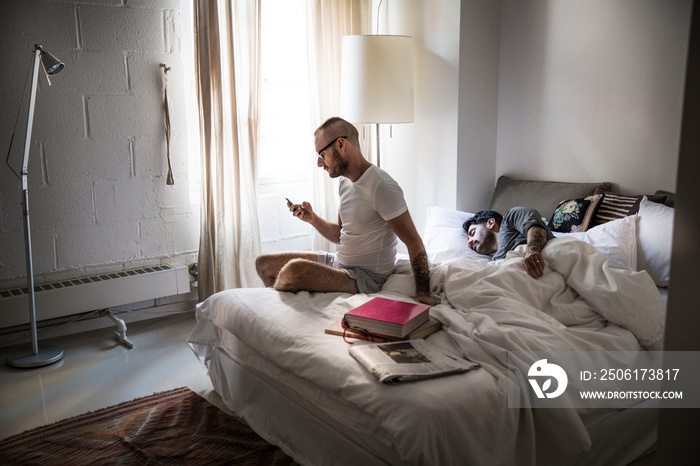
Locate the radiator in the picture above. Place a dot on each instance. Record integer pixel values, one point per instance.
(68, 297)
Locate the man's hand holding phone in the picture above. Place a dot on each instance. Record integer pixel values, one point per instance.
(302, 211)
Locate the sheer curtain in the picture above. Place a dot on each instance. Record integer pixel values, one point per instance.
(227, 38)
(328, 21)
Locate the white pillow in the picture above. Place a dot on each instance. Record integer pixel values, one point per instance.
(655, 237)
(444, 237)
(617, 240)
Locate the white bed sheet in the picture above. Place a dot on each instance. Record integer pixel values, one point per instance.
(463, 416)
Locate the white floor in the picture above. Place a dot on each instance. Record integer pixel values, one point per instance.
(96, 372)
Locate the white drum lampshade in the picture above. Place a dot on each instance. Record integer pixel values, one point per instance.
(376, 82)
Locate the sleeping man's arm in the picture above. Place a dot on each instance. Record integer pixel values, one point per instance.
(525, 222)
(533, 261)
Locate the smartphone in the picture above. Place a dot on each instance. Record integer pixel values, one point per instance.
(295, 209)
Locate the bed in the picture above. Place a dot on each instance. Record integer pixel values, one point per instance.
(604, 289)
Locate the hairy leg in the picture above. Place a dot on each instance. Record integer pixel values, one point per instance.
(268, 266)
(305, 275)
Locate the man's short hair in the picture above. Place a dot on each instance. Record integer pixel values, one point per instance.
(482, 217)
(337, 127)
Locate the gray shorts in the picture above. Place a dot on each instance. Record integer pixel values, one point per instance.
(366, 281)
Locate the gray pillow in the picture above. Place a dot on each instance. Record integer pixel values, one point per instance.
(543, 196)
(670, 197)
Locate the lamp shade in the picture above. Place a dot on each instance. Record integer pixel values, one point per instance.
(376, 81)
(53, 65)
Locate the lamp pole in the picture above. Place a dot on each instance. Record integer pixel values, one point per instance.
(48, 354)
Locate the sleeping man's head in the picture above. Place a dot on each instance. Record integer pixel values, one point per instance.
(482, 231)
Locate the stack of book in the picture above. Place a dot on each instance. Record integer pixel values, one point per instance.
(382, 319)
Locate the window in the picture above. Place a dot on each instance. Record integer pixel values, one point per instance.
(286, 136)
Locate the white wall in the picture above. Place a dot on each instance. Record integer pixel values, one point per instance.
(97, 175)
(478, 103)
(592, 91)
(98, 198)
(422, 156)
(542, 89)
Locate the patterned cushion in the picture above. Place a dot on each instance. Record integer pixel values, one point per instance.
(575, 215)
(614, 206)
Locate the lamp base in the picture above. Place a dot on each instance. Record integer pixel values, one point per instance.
(26, 358)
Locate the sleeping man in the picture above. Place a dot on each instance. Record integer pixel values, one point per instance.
(489, 233)
(371, 214)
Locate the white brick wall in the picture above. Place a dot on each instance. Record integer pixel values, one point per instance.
(98, 198)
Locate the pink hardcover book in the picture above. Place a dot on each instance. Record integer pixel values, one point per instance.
(387, 317)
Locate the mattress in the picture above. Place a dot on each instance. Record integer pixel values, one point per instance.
(308, 435)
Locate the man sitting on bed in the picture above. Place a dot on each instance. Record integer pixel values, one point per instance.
(489, 233)
(371, 214)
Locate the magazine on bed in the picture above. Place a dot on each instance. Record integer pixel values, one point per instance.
(408, 360)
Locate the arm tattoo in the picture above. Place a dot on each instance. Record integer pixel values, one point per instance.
(536, 239)
(421, 272)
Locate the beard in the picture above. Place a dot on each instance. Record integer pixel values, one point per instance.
(488, 244)
(340, 166)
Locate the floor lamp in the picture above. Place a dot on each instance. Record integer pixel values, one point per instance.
(376, 80)
(34, 357)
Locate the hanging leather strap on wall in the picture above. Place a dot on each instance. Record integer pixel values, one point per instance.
(170, 179)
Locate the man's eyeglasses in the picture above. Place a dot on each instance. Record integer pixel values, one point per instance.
(320, 153)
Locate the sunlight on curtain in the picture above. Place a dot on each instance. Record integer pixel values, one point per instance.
(328, 21)
(227, 42)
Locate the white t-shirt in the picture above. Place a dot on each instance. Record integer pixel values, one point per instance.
(366, 240)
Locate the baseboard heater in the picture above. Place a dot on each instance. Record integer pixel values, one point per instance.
(75, 296)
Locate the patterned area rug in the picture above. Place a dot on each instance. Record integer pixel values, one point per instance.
(175, 427)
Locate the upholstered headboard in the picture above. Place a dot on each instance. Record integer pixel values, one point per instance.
(544, 196)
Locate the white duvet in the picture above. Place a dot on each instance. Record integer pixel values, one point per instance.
(487, 310)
